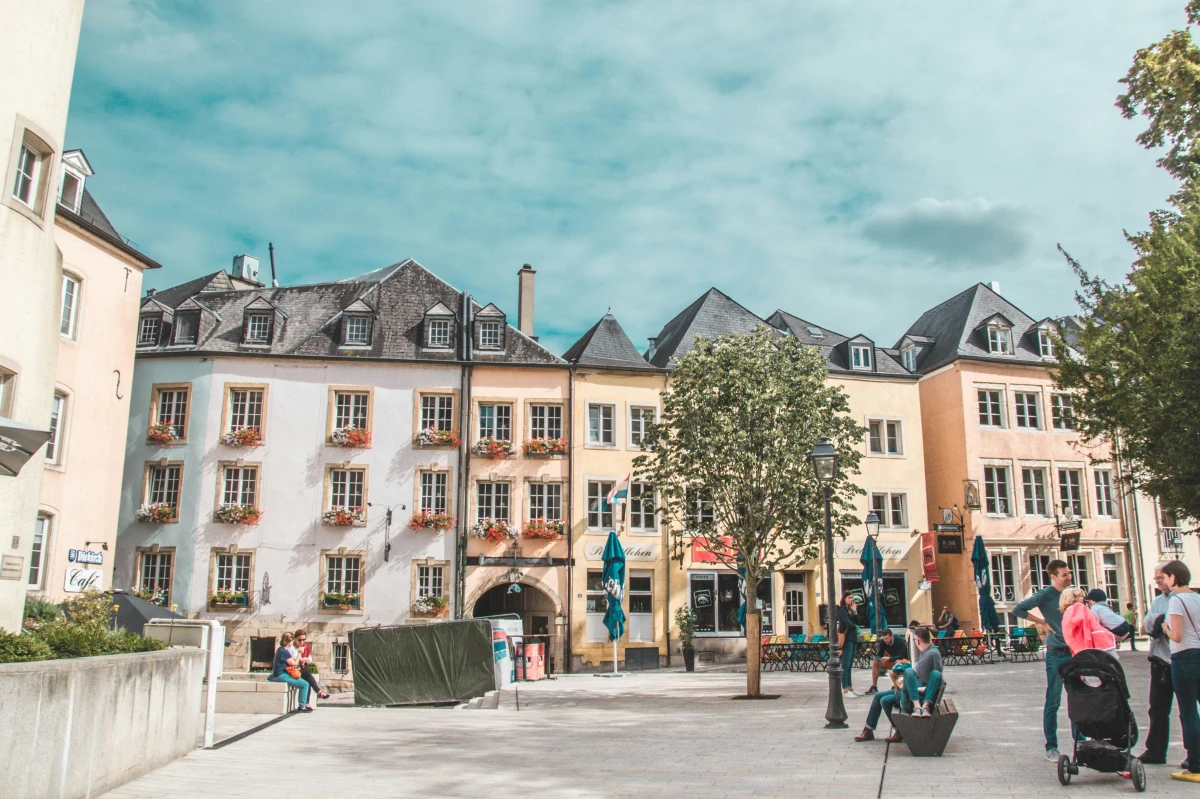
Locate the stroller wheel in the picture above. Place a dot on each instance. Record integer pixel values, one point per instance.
(1138, 774)
(1064, 769)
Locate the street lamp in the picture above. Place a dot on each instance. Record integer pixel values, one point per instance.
(872, 525)
(387, 526)
(824, 460)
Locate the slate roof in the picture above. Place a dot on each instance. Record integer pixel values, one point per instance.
(951, 330)
(834, 346)
(93, 219)
(713, 314)
(606, 345)
(308, 318)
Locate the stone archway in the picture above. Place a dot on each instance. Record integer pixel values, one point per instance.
(536, 608)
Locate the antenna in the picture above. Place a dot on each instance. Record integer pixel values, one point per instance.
(271, 250)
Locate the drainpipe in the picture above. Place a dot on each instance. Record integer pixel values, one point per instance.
(1136, 576)
(569, 651)
(464, 460)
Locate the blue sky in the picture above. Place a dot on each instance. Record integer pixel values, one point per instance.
(851, 164)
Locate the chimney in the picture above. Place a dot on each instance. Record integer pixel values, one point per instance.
(150, 292)
(525, 299)
(996, 286)
(652, 348)
(245, 267)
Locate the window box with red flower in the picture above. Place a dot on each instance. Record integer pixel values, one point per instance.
(493, 530)
(431, 605)
(238, 514)
(546, 447)
(548, 529)
(229, 599)
(428, 520)
(343, 517)
(351, 437)
(158, 512)
(432, 437)
(494, 448)
(248, 437)
(161, 433)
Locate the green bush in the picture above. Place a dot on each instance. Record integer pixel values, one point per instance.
(70, 641)
(22, 648)
(41, 611)
(91, 609)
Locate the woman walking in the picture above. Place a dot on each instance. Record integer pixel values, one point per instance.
(1182, 627)
(847, 632)
(286, 668)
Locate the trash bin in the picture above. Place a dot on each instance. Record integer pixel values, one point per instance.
(518, 659)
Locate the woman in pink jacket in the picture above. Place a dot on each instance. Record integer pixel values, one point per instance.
(1081, 629)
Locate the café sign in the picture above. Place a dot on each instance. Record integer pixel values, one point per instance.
(85, 556)
(633, 551)
(890, 550)
(79, 580)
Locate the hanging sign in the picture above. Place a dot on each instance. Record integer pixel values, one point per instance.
(928, 558)
(949, 545)
(79, 580)
(1069, 542)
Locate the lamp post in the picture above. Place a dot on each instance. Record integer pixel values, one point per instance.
(824, 459)
(387, 526)
(872, 525)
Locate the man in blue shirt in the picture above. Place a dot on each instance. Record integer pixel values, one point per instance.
(1042, 610)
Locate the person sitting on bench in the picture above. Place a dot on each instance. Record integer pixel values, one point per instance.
(889, 651)
(883, 702)
(925, 673)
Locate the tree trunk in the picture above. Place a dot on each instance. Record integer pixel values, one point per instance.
(753, 651)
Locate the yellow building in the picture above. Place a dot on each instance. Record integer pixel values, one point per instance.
(616, 394)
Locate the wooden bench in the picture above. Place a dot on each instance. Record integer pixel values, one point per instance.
(927, 737)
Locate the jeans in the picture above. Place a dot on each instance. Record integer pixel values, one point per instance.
(1054, 689)
(911, 685)
(882, 702)
(848, 661)
(1185, 675)
(297, 683)
(1162, 694)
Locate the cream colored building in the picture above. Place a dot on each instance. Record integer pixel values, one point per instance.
(74, 540)
(37, 59)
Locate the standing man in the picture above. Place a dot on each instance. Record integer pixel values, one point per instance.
(1130, 615)
(889, 651)
(1042, 610)
(1162, 691)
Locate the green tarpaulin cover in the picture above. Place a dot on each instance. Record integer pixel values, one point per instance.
(422, 664)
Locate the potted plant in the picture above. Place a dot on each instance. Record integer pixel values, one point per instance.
(428, 520)
(161, 433)
(546, 447)
(685, 620)
(238, 514)
(351, 437)
(157, 512)
(432, 437)
(494, 448)
(547, 529)
(157, 596)
(434, 605)
(247, 437)
(332, 599)
(493, 530)
(230, 599)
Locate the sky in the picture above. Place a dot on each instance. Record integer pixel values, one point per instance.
(852, 164)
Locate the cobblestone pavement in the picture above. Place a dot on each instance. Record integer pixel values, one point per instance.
(657, 734)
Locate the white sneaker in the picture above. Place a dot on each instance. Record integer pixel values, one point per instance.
(850, 693)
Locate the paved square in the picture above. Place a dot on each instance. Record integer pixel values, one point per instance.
(664, 734)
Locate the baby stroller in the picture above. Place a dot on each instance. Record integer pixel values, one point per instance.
(1098, 705)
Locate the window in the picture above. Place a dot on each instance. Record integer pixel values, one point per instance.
(58, 413)
(342, 574)
(999, 340)
(1033, 486)
(148, 330)
(240, 486)
(909, 358)
(1104, 498)
(232, 572)
(173, 409)
(884, 437)
(356, 331)
(597, 604)
(702, 506)
(430, 580)
(545, 421)
(70, 191)
(258, 328)
(70, 306)
(187, 328)
(437, 412)
(346, 488)
(1112, 582)
(641, 606)
(1070, 491)
(350, 409)
(545, 501)
(1004, 588)
(495, 421)
(1079, 569)
(640, 419)
(433, 492)
(1037, 571)
(41, 539)
(1045, 344)
(245, 408)
(599, 512)
(489, 335)
(1027, 410)
(600, 425)
(995, 485)
(8, 388)
(155, 575)
(892, 509)
(30, 163)
(492, 501)
(991, 408)
(860, 356)
(439, 332)
(341, 657)
(715, 599)
(641, 507)
(162, 485)
(1062, 412)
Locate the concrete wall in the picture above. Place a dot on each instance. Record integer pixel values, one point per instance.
(79, 727)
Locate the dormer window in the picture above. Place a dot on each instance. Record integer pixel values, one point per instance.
(489, 335)
(187, 327)
(356, 331)
(909, 358)
(439, 333)
(860, 356)
(71, 191)
(1045, 344)
(148, 331)
(258, 328)
(999, 340)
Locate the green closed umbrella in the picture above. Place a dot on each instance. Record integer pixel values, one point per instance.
(614, 589)
(872, 578)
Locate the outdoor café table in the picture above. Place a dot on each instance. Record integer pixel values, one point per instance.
(963, 650)
(807, 656)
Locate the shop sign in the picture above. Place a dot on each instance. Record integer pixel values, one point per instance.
(928, 558)
(85, 556)
(891, 550)
(949, 545)
(10, 567)
(702, 554)
(79, 580)
(1069, 542)
(633, 551)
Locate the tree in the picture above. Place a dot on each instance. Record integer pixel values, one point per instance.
(729, 459)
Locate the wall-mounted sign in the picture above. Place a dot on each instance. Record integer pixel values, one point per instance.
(10, 567)
(1070, 524)
(633, 551)
(1069, 542)
(947, 528)
(891, 550)
(79, 580)
(947, 515)
(702, 554)
(928, 558)
(85, 556)
(949, 544)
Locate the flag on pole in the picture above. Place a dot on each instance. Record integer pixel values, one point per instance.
(620, 491)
